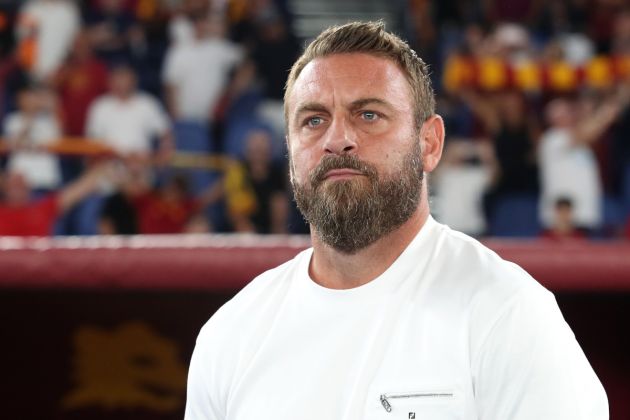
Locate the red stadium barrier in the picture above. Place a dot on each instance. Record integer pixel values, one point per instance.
(228, 262)
(74, 310)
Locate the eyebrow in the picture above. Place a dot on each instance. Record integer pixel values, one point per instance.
(360, 103)
(311, 107)
(354, 105)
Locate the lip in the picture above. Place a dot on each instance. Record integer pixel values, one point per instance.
(342, 173)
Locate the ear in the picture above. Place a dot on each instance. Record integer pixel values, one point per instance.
(432, 142)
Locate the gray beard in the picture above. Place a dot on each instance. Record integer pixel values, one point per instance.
(349, 215)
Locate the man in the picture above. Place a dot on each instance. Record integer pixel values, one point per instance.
(568, 165)
(389, 315)
(127, 119)
(45, 31)
(28, 131)
(23, 215)
(196, 73)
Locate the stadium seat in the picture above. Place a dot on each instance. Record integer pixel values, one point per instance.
(515, 215)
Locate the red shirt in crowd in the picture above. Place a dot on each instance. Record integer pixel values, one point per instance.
(157, 215)
(34, 219)
(81, 84)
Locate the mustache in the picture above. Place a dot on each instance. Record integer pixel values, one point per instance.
(330, 162)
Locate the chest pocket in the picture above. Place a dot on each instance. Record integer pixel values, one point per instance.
(440, 404)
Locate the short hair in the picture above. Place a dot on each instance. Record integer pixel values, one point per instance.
(371, 38)
(563, 202)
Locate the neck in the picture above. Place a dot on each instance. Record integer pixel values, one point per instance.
(337, 270)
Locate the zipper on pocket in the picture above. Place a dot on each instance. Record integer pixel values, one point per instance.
(388, 407)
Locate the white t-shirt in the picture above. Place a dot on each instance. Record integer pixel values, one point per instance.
(55, 24)
(41, 169)
(458, 192)
(449, 331)
(128, 126)
(569, 170)
(199, 70)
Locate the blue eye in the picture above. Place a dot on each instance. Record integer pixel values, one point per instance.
(369, 115)
(314, 121)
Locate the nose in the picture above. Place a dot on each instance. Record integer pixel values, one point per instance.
(340, 138)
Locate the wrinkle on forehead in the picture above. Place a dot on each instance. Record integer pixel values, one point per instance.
(348, 77)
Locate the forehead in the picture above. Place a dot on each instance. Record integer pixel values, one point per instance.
(340, 78)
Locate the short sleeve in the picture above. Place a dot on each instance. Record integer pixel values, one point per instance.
(201, 398)
(171, 70)
(11, 126)
(93, 124)
(530, 366)
(157, 118)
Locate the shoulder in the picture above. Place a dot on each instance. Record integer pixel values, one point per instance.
(486, 288)
(145, 101)
(250, 304)
(555, 137)
(102, 103)
(481, 280)
(13, 120)
(481, 266)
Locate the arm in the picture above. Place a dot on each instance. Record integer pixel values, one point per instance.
(201, 395)
(213, 193)
(529, 365)
(82, 187)
(21, 139)
(483, 109)
(590, 130)
(166, 148)
(170, 100)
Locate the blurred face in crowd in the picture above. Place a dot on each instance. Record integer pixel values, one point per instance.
(82, 48)
(512, 107)
(258, 147)
(560, 113)
(213, 26)
(28, 101)
(122, 82)
(111, 6)
(354, 148)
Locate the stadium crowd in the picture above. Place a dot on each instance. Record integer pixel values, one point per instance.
(165, 116)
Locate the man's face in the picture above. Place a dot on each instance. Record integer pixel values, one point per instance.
(356, 166)
(122, 82)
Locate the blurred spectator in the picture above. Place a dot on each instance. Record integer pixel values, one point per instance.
(114, 31)
(567, 164)
(181, 27)
(244, 16)
(563, 226)
(127, 120)
(170, 208)
(274, 52)
(620, 149)
(459, 183)
(45, 32)
(522, 11)
(22, 215)
(620, 43)
(601, 19)
(8, 14)
(27, 132)
(507, 121)
(268, 181)
(196, 73)
(81, 79)
(8, 63)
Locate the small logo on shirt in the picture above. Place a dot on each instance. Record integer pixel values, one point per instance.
(412, 415)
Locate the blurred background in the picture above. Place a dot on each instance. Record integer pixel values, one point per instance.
(126, 118)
